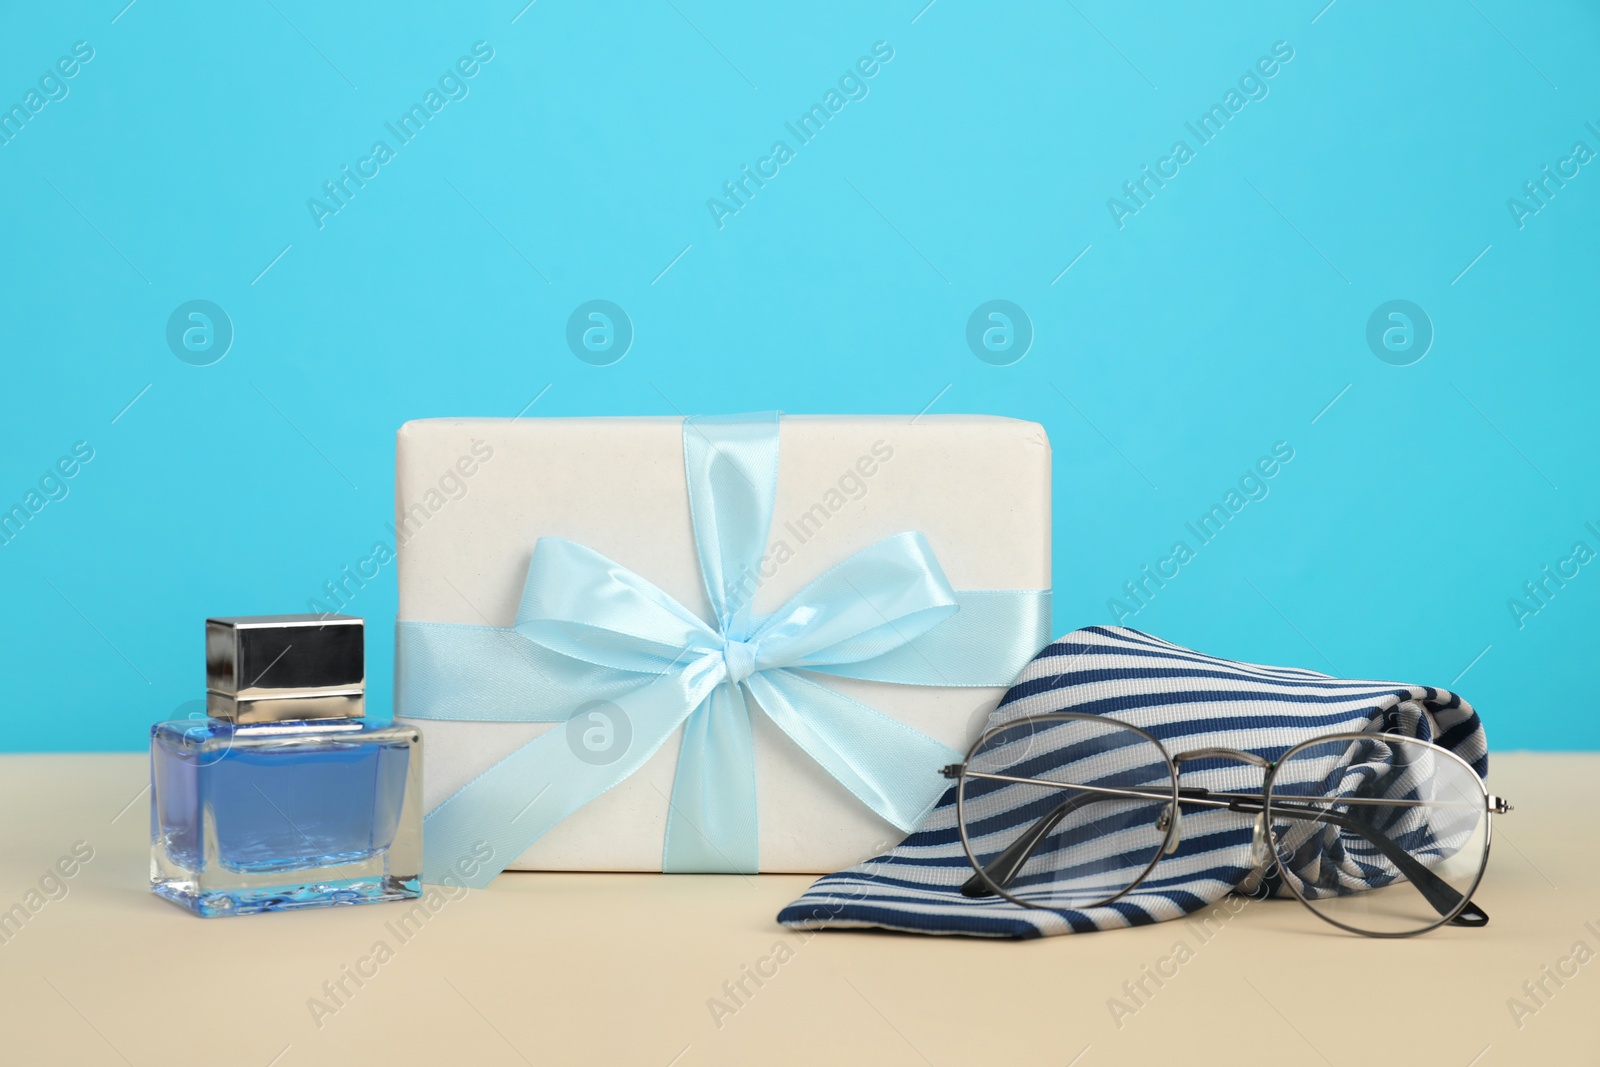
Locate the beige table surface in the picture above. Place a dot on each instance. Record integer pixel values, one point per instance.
(579, 968)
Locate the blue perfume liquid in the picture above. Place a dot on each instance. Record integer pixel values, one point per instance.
(284, 815)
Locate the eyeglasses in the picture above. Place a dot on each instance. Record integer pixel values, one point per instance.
(1377, 833)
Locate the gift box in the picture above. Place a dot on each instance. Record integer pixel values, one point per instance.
(881, 580)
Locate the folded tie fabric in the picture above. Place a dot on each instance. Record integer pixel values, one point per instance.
(1188, 701)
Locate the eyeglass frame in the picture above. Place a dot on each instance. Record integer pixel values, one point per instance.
(1493, 805)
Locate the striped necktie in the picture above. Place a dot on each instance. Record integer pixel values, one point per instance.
(1186, 699)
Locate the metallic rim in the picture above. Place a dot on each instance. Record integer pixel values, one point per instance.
(1055, 717)
(1483, 863)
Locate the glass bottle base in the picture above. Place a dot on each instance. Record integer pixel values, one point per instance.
(211, 904)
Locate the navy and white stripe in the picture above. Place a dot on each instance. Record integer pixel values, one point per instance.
(1186, 699)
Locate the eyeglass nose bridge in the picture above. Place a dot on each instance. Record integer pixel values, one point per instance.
(1238, 755)
(1262, 853)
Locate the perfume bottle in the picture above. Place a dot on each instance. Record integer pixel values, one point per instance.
(284, 796)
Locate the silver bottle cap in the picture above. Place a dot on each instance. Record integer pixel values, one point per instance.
(273, 668)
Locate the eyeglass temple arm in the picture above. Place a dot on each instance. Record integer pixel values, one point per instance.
(1440, 894)
(1435, 890)
(1004, 867)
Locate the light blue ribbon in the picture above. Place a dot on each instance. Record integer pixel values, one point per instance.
(590, 630)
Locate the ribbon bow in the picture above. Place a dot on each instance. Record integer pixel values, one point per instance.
(591, 633)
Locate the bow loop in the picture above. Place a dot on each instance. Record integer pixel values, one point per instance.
(580, 604)
(879, 600)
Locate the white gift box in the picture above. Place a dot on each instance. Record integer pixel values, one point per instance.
(474, 495)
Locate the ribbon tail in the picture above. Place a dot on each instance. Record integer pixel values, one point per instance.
(493, 819)
(889, 766)
(711, 826)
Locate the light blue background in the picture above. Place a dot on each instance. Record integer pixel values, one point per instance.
(1224, 317)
